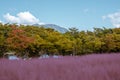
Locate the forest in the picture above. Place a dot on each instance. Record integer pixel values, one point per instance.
(33, 41)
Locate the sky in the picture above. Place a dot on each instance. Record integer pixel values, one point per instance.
(82, 14)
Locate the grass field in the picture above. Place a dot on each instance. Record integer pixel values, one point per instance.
(89, 67)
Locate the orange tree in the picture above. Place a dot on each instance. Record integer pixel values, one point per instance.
(18, 41)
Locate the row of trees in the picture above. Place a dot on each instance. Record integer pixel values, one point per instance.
(35, 41)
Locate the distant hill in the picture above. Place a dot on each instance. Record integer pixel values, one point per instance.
(53, 26)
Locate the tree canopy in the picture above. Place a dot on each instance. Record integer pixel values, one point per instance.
(34, 41)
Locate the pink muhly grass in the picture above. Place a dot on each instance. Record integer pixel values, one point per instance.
(89, 67)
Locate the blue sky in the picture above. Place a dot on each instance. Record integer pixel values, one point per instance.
(82, 14)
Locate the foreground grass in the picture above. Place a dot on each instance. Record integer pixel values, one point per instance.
(89, 67)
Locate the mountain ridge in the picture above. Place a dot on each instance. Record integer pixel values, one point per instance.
(53, 26)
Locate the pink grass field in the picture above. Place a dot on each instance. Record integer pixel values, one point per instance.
(89, 67)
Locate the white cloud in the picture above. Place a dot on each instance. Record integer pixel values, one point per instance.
(11, 19)
(114, 18)
(22, 18)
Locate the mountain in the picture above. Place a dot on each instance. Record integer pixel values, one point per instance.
(53, 26)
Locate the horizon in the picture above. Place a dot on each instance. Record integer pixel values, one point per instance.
(82, 14)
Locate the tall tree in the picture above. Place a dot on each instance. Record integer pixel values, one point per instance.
(17, 40)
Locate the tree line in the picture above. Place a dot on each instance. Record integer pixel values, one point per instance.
(33, 41)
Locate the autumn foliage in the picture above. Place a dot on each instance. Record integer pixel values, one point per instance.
(34, 41)
(17, 39)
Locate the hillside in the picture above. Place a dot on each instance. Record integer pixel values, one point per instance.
(53, 26)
